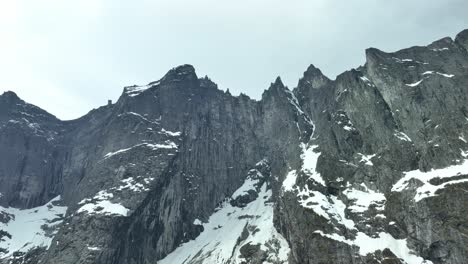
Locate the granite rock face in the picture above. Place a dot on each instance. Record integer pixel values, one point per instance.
(369, 168)
(30, 163)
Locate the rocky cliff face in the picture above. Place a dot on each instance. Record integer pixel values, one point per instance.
(368, 168)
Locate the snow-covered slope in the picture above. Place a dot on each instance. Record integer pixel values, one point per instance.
(23, 230)
(237, 229)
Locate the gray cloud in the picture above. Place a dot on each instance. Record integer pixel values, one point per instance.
(70, 56)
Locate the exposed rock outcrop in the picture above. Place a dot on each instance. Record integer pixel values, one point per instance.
(369, 168)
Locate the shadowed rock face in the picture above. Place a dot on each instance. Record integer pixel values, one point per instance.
(30, 164)
(349, 164)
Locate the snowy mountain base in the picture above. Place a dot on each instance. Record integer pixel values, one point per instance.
(237, 233)
(23, 230)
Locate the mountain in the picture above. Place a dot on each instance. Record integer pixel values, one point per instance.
(369, 168)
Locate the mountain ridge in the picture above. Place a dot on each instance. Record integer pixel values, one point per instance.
(460, 39)
(367, 168)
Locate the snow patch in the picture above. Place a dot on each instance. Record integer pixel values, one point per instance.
(366, 80)
(402, 136)
(329, 207)
(309, 163)
(369, 245)
(367, 159)
(28, 227)
(428, 73)
(170, 133)
(428, 189)
(446, 75)
(414, 84)
(104, 207)
(110, 154)
(441, 49)
(248, 185)
(362, 199)
(100, 204)
(345, 122)
(94, 248)
(135, 90)
(290, 181)
(134, 114)
(439, 73)
(220, 243)
(294, 102)
(464, 153)
(167, 145)
(131, 184)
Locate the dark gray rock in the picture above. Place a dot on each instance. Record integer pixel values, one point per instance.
(136, 174)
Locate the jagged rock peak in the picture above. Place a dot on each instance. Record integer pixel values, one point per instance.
(373, 54)
(442, 44)
(10, 94)
(314, 78)
(185, 71)
(278, 82)
(277, 88)
(443, 41)
(312, 71)
(277, 85)
(180, 73)
(208, 83)
(10, 97)
(462, 34)
(462, 39)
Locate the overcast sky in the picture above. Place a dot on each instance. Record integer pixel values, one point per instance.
(71, 56)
